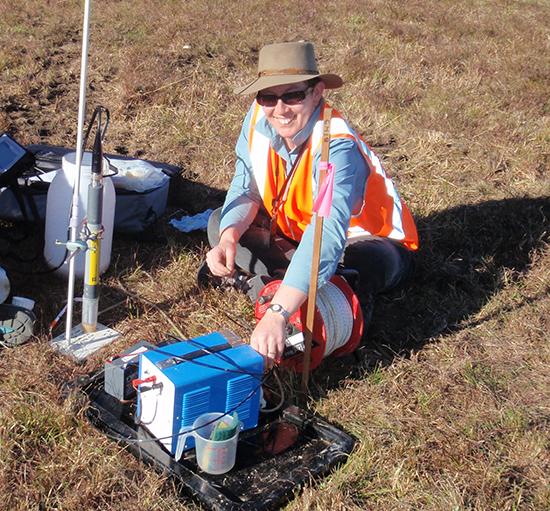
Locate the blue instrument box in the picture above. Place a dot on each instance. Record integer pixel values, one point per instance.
(196, 376)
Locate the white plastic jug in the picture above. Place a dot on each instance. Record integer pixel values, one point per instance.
(4, 285)
(58, 211)
(213, 456)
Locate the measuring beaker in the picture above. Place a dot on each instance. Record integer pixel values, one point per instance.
(213, 456)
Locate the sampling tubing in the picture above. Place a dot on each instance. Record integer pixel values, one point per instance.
(337, 317)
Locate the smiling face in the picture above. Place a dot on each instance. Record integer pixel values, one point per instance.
(288, 120)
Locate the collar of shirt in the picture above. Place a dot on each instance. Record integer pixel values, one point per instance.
(277, 141)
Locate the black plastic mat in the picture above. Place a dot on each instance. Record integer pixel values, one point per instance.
(274, 460)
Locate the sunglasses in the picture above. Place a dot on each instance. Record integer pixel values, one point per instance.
(295, 97)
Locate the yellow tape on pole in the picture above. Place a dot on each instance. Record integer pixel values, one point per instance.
(94, 250)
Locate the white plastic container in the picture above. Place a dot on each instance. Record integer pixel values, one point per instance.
(213, 456)
(58, 211)
(4, 285)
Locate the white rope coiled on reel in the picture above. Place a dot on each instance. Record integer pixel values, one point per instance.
(337, 315)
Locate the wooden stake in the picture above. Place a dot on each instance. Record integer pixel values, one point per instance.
(316, 256)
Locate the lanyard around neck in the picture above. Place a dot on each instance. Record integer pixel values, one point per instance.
(282, 195)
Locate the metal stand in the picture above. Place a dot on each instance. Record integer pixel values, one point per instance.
(82, 344)
(75, 342)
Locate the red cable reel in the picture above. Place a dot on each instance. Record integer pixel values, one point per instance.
(297, 321)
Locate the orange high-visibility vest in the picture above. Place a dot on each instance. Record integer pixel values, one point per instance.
(382, 212)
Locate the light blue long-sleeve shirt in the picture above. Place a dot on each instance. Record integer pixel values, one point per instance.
(243, 199)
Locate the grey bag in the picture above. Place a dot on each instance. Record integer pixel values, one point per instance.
(135, 211)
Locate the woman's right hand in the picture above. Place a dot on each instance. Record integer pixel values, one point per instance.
(221, 259)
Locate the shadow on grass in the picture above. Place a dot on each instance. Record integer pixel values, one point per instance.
(466, 254)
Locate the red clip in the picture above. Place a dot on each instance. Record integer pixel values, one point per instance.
(138, 381)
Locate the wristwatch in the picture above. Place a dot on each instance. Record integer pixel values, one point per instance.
(279, 309)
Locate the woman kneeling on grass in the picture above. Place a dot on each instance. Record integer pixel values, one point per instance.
(264, 225)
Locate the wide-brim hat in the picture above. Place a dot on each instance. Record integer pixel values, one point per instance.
(285, 63)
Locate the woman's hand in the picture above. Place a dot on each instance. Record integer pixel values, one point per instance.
(221, 259)
(268, 338)
(270, 333)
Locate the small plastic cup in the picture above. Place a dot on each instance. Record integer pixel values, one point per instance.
(214, 457)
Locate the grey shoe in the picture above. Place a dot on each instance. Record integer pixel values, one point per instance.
(239, 279)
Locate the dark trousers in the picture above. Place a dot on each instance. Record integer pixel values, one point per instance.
(375, 264)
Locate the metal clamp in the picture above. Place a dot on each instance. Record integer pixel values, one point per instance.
(73, 246)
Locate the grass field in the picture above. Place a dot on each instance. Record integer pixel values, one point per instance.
(450, 394)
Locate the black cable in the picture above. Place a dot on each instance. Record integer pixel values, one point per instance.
(262, 377)
(139, 419)
(11, 255)
(43, 272)
(112, 168)
(240, 370)
(186, 432)
(209, 366)
(220, 354)
(99, 110)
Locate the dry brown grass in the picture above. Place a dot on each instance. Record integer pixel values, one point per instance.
(450, 400)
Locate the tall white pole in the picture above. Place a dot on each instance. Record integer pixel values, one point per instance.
(73, 225)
